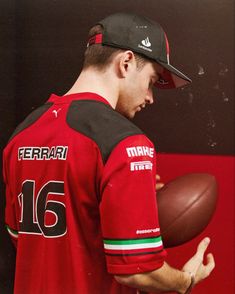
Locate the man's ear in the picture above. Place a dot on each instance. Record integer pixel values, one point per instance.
(126, 63)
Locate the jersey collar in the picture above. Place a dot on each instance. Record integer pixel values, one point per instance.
(77, 96)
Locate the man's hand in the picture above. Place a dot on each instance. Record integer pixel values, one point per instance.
(158, 185)
(167, 278)
(195, 264)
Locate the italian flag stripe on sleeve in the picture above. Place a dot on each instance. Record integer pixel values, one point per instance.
(13, 233)
(133, 246)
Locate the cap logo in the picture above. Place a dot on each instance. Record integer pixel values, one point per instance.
(145, 45)
(146, 42)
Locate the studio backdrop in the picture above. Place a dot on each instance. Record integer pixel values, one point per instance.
(192, 128)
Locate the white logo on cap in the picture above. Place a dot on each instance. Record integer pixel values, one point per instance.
(146, 42)
(145, 45)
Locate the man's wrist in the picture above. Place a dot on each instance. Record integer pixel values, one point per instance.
(189, 282)
(192, 283)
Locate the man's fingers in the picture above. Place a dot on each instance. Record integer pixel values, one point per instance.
(158, 177)
(159, 186)
(210, 263)
(195, 264)
(202, 248)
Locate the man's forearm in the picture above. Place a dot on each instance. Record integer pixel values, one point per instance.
(163, 279)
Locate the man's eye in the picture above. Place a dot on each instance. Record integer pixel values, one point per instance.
(151, 84)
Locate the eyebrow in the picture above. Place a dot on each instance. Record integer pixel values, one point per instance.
(156, 76)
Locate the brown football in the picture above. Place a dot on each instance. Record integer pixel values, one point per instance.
(186, 206)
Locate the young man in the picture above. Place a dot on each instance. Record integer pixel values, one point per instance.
(80, 177)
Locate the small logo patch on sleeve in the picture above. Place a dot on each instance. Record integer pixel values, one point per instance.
(140, 151)
(141, 165)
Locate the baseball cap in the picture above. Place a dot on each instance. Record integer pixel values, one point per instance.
(145, 37)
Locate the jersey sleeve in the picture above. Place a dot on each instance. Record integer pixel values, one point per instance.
(128, 209)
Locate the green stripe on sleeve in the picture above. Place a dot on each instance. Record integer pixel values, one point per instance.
(12, 232)
(132, 241)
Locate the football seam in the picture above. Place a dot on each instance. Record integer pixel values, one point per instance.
(186, 209)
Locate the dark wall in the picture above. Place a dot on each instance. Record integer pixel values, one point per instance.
(50, 37)
(42, 44)
(7, 124)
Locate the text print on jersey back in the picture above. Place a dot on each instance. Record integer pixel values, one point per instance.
(140, 151)
(34, 209)
(42, 153)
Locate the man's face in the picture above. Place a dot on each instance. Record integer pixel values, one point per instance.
(138, 89)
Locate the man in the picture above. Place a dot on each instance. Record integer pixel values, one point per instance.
(80, 177)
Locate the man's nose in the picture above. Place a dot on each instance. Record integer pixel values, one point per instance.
(149, 97)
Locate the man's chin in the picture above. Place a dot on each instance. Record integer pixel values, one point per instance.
(128, 115)
(132, 115)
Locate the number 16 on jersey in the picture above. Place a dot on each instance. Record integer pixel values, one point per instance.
(35, 210)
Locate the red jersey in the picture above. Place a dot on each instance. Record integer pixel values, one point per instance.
(80, 198)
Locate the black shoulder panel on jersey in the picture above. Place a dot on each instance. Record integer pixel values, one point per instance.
(101, 123)
(31, 118)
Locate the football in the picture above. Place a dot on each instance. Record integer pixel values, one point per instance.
(186, 206)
